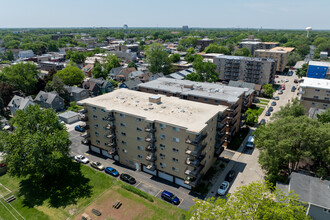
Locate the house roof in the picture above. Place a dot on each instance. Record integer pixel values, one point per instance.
(73, 89)
(47, 97)
(88, 67)
(116, 70)
(310, 189)
(242, 84)
(132, 83)
(136, 73)
(20, 101)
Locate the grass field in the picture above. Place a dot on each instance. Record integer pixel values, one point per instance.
(34, 203)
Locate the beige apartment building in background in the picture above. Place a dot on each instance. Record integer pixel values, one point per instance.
(280, 54)
(174, 139)
(315, 93)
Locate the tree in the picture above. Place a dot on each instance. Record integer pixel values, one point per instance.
(242, 52)
(74, 107)
(158, 59)
(52, 46)
(22, 76)
(293, 58)
(214, 48)
(132, 64)
(38, 146)
(56, 85)
(268, 90)
(302, 72)
(251, 116)
(205, 71)
(194, 77)
(294, 109)
(110, 62)
(98, 72)
(190, 55)
(324, 117)
(175, 58)
(6, 92)
(188, 42)
(114, 83)
(71, 75)
(75, 56)
(2, 106)
(253, 201)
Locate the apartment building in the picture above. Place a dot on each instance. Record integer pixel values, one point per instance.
(168, 137)
(318, 70)
(248, 69)
(210, 93)
(253, 44)
(315, 93)
(280, 54)
(204, 43)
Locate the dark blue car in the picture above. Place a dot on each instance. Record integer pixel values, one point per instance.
(79, 128)
(170, 197)
(111, 171)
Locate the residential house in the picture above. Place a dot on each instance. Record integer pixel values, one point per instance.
(19, 103)
(75, 94)
(25, 54)
(87, 69)
(50, 100)
(97, 86)
(312, 191)
(135, 74)
(124, 73)
(114, 72)
(131, 84)
(156, 76)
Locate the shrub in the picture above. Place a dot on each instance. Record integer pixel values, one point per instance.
(138, 192)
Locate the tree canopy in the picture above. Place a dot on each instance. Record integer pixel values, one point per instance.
(38, 146)
(110, 61)
(214, 48)
(324, 117)
(175, 58)
(302, 72)
(294, 109)
(132, 64)
(253, 201)
(71, 75)
(268, 90)
(158, 59)
(56, 85)
(242, 52)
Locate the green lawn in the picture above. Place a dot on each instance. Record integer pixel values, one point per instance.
(34, 203)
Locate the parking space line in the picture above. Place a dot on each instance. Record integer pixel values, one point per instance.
(86, 154)
(138, 184)
(181, 201)
(158, 193)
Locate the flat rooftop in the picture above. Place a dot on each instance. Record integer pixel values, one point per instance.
(319, 63)
(172, 110)
(315, 83)
(229, 57)
(287, 49)
(205, 90)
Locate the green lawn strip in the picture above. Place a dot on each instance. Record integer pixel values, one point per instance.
(138, 192)
(260, 110)
(264, 100)
(161, 209)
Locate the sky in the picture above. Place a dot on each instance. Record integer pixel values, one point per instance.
(276, 14)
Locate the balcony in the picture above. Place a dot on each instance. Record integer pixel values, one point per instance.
(221, 126)
(151, 157)
(150, 139)
(150, 129)
(110, 126)
(151, 148)
(151, 167)
(195, 162)
(194, 172)
(83, 111)
(112, 144)
(197, 150)
(112, 151)
(199, 138)
(221, 118)
(111, 136)
(220, 135)
(192, 181)
(218, 151)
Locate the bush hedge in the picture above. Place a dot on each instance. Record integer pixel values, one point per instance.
(138, 192)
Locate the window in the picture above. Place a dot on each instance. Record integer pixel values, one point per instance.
(162, 126)
(162, 146)
(162, 136)
(315, 97)
(176, 129)
(139, 148)
(206, 100)
(96, 133)
(325, 105)
(195, 97)
(124, 150)
(123, 142)
(139, 156)
(175, 159)
(326, 98)
(123, 124)
(317, 90)
(176, 150)
(123, 133)
(217, 101)
(175, 169)
(313, 103)
(138, 119)
(138, 129)
(139, 139)
(122, 115)
(95, 117)
(176, 140)
(163, 165)
(96, 125)
(97, 142)
(94, 108)
(156, 90)
(162, 156)
(328, 91)
(102, 110)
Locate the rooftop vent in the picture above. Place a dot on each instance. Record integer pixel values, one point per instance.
(155, 99)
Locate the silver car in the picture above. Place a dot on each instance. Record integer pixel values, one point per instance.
(223, 188)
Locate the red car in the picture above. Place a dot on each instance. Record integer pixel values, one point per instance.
(283, 87)
(276, 76)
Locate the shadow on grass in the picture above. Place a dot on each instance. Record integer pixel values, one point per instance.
(60, 190)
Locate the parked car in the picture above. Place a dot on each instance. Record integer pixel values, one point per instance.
(97, 165)
(262, 122)
(295, 81)
(230, 175)
(81, 159)
(280, 92)
(268, 113)
(276, 76)
(223, 188)
(112, 171)
(277, 98)
(273, 103)
(85, 141)
(283, 87)
(293, 89)
(127, 178)
(270, 109)
(79, 128)
(286, 80)
(170, 197)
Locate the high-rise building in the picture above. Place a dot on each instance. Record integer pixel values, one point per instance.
(185, 28)
(174, 139)
(248, 69)
(318, 70)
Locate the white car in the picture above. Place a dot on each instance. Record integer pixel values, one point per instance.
(81, 159)
(286, 80)
(223, 188)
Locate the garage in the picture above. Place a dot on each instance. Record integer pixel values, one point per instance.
(180, 182)
(69, 117)
(96, 149)
(105, 153)
(165, 176)
(144, 169)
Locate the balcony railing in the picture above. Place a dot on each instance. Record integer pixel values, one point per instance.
(111, 136)
(150, 129)
(199, 138)
(151, 157)
(151, 167)
(150, 139)
(112, 144)
(197, 150)
(195, 162)
(194, 172)
(110, 126)
(151, 148)
(221, 126)
(192, 181)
